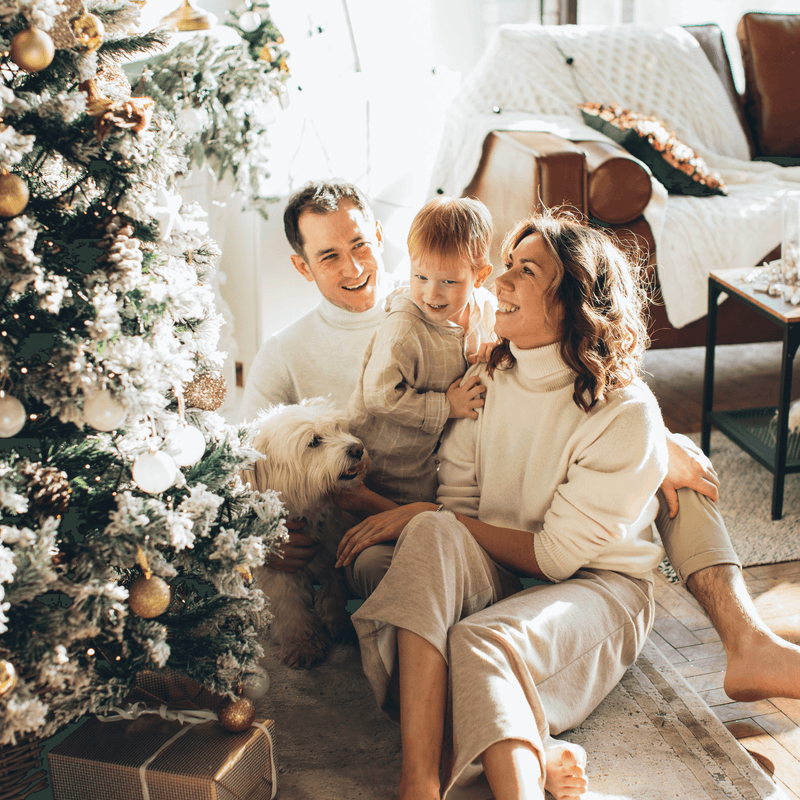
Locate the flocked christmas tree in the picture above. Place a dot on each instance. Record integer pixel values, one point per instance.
(127, 540)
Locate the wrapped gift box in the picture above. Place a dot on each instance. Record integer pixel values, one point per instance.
(147, 759)
(173, 689)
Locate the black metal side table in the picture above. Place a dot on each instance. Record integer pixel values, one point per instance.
(757, 431)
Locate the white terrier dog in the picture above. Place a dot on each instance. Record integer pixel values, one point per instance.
(309, 456)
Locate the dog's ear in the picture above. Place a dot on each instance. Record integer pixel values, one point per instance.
(260, 476)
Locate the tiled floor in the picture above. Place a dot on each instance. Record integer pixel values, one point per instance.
(769, 729)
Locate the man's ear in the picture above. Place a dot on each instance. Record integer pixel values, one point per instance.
(301, 266)
(379, 235)
(481, 277)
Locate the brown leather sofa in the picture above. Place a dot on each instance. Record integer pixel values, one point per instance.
(520, 172)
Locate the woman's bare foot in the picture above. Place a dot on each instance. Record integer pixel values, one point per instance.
(565, 769)
(768, 667)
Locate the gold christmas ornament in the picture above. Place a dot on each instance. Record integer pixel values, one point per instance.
(206, 391)
(14, 195)
(149, 597)
(89, 31)
(8, 677)
(32, 49)
(188, 17)
(236, 715)
(61, 32)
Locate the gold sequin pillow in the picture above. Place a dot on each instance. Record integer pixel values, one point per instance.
(671, 161)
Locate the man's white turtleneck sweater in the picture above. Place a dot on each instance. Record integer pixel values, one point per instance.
(582, 483)
(325, 347)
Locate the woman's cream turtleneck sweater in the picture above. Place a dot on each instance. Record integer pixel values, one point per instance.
(582, 483)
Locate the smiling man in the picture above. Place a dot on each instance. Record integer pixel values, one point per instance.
(338, 244)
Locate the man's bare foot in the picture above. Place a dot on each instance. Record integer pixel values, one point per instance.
(565, 769)
(767, 666)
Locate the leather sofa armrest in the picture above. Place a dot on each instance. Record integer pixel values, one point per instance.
(524, 171)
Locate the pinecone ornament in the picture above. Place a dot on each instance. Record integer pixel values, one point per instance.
(122, 262)
(48, 489)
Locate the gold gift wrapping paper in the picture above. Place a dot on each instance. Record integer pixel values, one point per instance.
(104, 761)
(173, 689)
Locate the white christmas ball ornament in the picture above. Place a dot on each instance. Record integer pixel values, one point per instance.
(255, 684)
(103, 412)
(250, 21)
(12, 416)
(191, 120)
(191, 445)
(154, 472)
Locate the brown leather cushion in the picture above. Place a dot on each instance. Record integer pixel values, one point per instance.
(770, 45)
(619, 185)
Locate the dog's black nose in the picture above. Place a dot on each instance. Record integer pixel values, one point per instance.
(356, 451)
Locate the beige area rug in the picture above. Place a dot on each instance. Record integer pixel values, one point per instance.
(652, 738)
(746, 502)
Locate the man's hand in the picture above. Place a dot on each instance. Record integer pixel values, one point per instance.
(689, 467)
(297, 552)
(465, 399)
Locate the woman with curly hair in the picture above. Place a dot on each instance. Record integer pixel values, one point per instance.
(555, 480)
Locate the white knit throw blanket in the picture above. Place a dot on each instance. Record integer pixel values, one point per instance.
(656, 72)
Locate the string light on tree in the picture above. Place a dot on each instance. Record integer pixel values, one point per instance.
(32, 49)
(12, 416)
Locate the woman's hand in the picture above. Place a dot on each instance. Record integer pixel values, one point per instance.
(690, 468)
(384, 527)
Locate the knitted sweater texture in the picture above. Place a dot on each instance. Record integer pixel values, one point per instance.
(582, 483)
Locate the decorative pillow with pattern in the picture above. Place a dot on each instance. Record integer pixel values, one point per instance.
(671, 161)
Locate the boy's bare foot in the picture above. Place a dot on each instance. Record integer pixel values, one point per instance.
(767, 667)
(565, 769)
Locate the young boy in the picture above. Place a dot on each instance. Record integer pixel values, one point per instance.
(410, 383)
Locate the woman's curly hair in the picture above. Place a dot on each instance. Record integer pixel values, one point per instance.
(600, 296)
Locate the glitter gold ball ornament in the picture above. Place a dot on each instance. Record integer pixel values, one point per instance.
(12, 416)
(236, 715)
(149, 597)
(8, 677)
(206, 391)
(32, 50)
(89, 31)
(13, 195)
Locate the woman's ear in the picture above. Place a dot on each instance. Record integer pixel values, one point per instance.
(481, 277)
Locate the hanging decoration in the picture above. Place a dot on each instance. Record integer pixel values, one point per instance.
(149, 597)
(14, 194)
(32, 49)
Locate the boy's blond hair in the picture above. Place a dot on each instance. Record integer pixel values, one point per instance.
(451, 226)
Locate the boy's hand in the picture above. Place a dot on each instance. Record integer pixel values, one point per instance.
(465, 399)
(482, 356)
